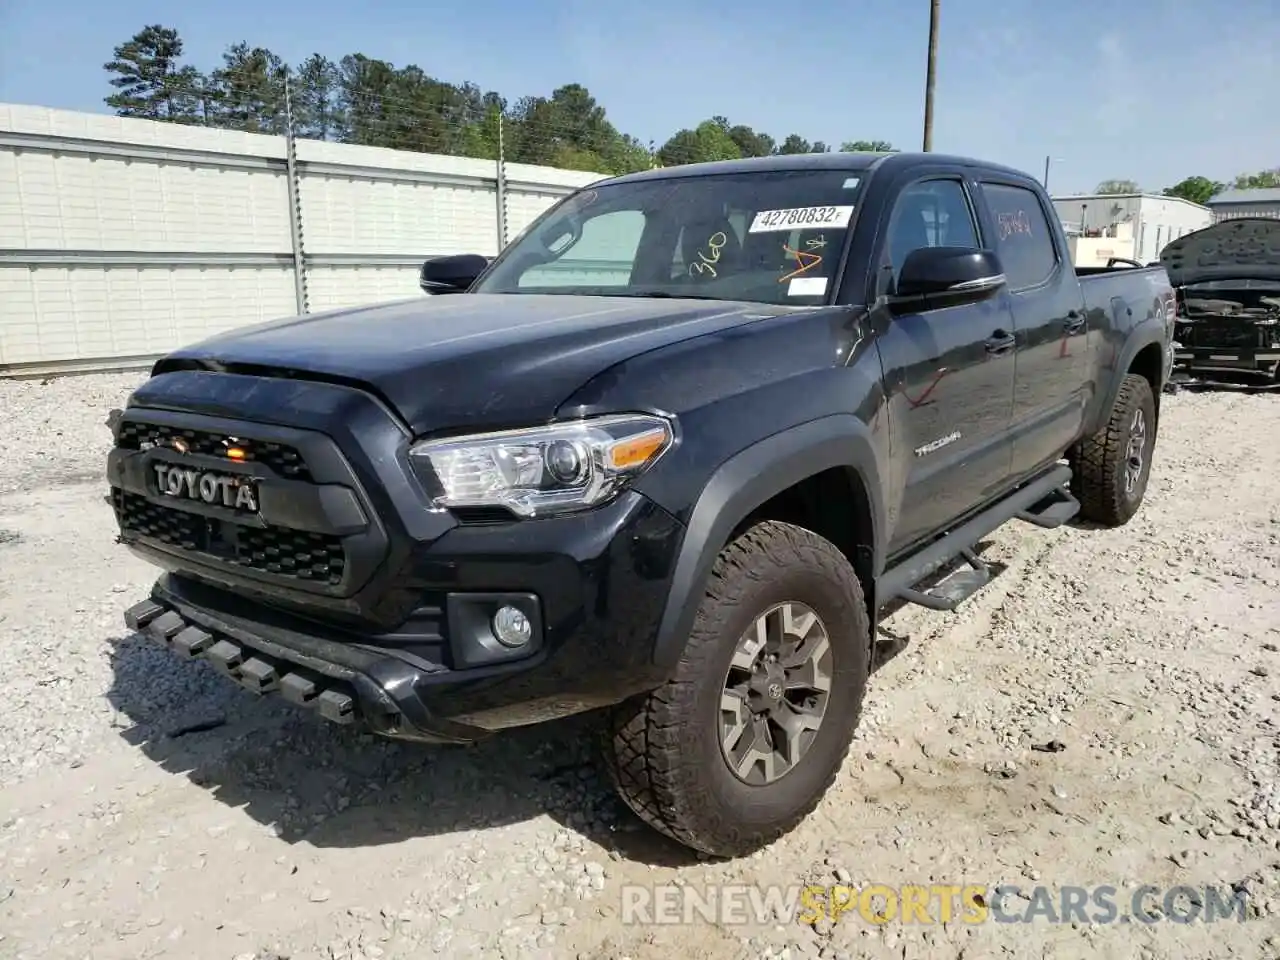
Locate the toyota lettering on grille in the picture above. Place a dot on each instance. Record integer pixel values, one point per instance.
(206, 486)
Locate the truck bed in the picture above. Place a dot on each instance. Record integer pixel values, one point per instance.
(1101, 285)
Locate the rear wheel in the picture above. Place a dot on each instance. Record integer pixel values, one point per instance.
(741, 744)
(1112, 467)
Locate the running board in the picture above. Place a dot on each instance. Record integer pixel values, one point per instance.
(953, 590)
(1053, 511)
(1044, 502)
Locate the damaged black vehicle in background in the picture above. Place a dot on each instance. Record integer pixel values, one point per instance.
(1227, 329)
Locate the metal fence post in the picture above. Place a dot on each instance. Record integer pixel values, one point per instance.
(295, 201)
(502, 189)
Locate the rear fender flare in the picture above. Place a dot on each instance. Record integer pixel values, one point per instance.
(744, 482)
(1144, 335)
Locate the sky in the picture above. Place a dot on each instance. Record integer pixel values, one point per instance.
(1145, 90)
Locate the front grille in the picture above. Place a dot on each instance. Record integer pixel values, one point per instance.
(1206, 335)
(282, 551)
(279, 458)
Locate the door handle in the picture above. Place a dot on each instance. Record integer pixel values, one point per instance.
(1001, 342)
(1075, 322)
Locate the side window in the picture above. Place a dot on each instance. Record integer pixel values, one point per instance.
(934, 213)
(1023, 240)
(602, 257)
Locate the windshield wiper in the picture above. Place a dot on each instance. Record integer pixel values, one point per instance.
(666, 295)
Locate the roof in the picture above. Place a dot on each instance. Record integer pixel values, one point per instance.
(1260, 195)
(1086, 197)
(807, 161)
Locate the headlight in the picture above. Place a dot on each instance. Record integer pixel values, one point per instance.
(553, 469)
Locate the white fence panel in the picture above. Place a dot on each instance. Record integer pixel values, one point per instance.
(121, 239)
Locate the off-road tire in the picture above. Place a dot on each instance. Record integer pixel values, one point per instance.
(1098, 462)
(663, 749)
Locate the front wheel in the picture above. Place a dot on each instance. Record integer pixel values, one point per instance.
(1110, 469)
(742, 743)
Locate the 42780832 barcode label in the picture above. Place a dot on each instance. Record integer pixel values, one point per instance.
(800, 218)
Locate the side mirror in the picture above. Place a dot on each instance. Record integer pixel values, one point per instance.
(947, 276)
(452, 274)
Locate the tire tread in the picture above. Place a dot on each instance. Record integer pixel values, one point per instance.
(1096, 459)
(643, 744)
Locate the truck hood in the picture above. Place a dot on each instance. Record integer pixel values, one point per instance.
(1244, 249)
(472, 360)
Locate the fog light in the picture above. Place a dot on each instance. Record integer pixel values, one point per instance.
(511, 627)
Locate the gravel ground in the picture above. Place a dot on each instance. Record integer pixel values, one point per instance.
(1106, 712)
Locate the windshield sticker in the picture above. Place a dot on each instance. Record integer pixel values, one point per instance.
(704, 265)
(805, 261)
(767, 220)
(807, 287)
(852, 183)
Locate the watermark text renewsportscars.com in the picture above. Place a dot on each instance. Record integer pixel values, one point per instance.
(878, 903)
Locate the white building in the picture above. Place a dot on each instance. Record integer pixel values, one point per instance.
(1140, 224)
(1232, 204)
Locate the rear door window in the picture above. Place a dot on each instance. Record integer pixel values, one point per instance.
(1022, 238)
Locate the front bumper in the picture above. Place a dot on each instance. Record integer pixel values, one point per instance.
(1230, 359)
(1228, 368)
(594, 620)
(347, 592)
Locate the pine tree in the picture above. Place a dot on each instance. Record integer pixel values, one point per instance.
(148, 79)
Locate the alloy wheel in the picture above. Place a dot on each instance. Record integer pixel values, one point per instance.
(1136, 452)
(775, 693)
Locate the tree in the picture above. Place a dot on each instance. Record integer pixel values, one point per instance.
(363, 87)
(751, 143)
(1262, 180)
(371, 102)
(148, 79)
(1118, 186)
(867, 146)
(570, 129)
(710, 140)
(628, 155)
(795, 144)
(1195, 189)
(317, 114)
(248, 90)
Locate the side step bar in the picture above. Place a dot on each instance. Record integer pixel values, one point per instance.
(1044, 501)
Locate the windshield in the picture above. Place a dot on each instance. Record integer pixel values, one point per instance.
(768, 237)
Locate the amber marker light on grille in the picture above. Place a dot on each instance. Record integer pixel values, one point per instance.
(235, 453)
(638, 450)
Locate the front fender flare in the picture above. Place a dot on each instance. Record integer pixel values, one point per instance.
(745, 481)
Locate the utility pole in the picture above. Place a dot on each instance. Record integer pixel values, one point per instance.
(931, 75)
(501, 186)
(1048, 160)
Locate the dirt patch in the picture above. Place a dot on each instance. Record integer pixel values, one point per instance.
(1149, 655)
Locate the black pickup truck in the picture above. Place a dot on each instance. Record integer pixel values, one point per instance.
(1227, 278)
(667, 457)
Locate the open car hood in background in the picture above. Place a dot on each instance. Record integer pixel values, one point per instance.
(1244, 249)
